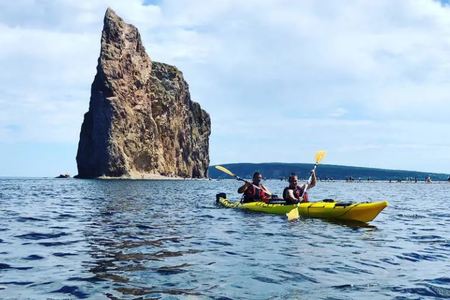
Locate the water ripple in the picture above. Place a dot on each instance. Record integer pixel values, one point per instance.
(41, 236)
(72, 290)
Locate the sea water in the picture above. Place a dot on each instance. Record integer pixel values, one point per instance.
(124, 239)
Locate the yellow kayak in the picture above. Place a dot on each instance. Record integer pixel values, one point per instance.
(325, 209)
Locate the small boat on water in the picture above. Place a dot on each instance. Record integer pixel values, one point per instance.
(325, 209)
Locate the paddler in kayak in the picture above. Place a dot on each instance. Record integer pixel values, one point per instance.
(295, 193)
(254, 191)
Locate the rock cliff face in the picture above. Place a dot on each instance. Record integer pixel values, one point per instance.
(141, 120)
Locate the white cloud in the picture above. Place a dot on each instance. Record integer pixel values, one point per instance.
(261, 68)
(338, 113)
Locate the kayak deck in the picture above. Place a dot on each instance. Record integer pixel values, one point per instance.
(326, 209)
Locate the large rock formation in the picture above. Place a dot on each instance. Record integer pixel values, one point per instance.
(141, 120)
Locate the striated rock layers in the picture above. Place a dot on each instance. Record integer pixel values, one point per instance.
(141, 120)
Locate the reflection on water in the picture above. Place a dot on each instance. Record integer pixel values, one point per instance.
(123, 239)
(133, 234)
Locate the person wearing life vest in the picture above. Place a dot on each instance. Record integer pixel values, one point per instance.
(254, 191)
(295, 193)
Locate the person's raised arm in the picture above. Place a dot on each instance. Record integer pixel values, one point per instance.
(313, 180)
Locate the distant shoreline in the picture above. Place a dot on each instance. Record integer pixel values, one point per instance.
(150, 177)
(145, 177)
(325, 171)
(435, 181)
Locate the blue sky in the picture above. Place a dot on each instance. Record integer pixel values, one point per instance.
(368, 81)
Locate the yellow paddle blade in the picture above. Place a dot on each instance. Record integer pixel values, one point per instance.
(225, 170)
(293, 214)
(320, 155)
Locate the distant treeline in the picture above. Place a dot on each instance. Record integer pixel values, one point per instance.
(282, 171)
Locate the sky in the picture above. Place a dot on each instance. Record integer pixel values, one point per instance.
(367, 81)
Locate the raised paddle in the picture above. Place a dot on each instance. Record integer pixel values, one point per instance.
(293, 214)
(225, 170)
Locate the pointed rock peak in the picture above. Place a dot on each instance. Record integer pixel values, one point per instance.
(110, 14)
(112, 20)
(119, 38)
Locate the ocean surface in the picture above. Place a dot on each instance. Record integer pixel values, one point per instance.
(123, 239)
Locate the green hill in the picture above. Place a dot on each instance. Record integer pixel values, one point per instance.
(282, 170)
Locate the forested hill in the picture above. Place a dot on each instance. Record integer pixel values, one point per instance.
(282, 170)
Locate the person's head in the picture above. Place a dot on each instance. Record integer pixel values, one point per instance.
(257, 178)
(293, 179)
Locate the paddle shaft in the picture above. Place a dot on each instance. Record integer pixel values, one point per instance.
(255, 186)
(226, 171)
(309, 180)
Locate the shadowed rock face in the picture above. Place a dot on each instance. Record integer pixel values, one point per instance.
(141, 119)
